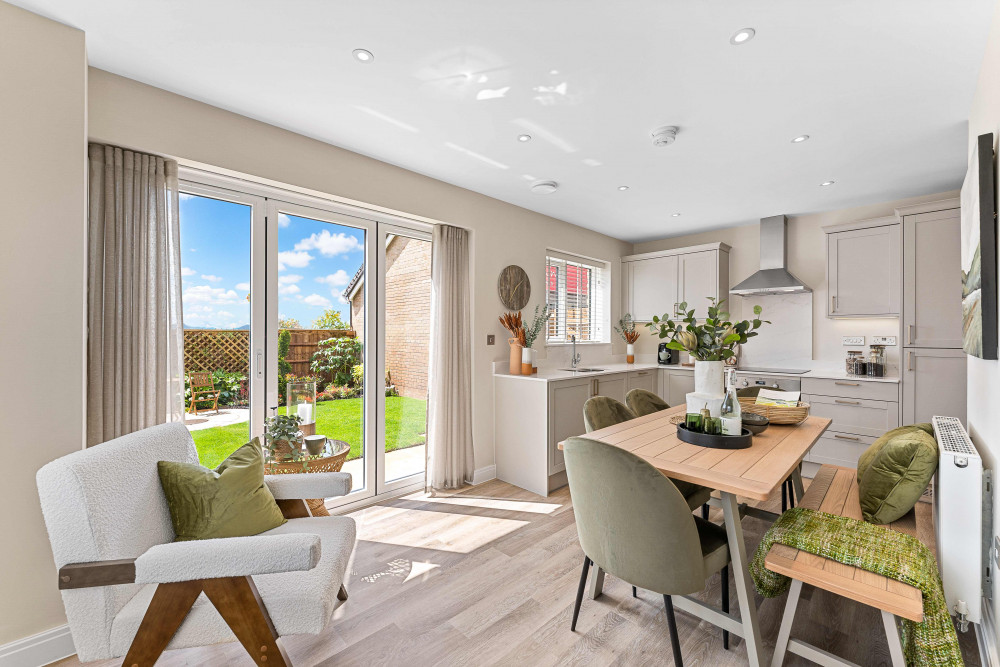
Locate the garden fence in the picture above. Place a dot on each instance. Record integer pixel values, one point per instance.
(229, 350)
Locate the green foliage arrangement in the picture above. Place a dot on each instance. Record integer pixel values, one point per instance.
(283, 428)
(626, 329)
(337, 357)
(712, 340)
(537, 323)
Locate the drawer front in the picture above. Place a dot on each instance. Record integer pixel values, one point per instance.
(855, 415)
(839, 449)
(850, 388)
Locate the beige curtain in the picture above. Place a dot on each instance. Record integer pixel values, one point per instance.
(135, 351)
(449, 404)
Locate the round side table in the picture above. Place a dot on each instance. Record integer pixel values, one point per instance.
(330, 460)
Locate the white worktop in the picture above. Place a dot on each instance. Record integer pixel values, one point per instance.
(556, 374)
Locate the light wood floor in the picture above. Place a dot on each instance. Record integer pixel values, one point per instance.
(488, 577)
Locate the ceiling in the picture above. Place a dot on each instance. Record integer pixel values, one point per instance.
(882, 88)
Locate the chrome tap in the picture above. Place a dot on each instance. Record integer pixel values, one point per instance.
(574, 360)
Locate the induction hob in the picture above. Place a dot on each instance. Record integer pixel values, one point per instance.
(783, 371)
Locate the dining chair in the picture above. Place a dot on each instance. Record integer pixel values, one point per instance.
(634, 524)
(643, 402)
(603, 411)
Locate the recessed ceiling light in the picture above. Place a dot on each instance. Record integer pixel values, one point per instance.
(523, 137)
(553, 72)
(675, 215)
(545, 187)
(364, 55)
(826, 183)
(623, 188)
(742, 36)
(799, 139)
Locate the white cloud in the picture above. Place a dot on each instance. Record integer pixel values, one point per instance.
(243, 287)
(210, 295)
(289, 279)
(283, 220)
(330, 244)
(224, 313)
(317, 301)
(185, 271)
(297, 260)
(338, 279)
(288, 289)
(210, 278)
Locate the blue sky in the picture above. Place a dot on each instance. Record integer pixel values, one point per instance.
(316, 260)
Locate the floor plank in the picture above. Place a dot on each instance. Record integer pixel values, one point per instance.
(488, 576)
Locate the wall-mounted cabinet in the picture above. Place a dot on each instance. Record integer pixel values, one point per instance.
(863, 268)
(656, 282)
(932, 279)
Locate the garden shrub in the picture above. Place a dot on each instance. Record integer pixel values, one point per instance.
(232, 389)
(337, 357)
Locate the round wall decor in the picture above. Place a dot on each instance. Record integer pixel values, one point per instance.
(514, 287)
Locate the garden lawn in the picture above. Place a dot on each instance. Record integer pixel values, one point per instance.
(405, 426)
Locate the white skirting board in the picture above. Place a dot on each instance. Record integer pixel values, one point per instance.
(484, 474)
(37, 650)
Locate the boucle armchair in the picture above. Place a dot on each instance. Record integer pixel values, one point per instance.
(130, 590)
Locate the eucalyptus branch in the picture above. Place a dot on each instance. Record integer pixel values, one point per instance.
(715, 339)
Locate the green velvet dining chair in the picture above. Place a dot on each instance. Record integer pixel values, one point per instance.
(633, 523)
(603, 411)
(643, 402)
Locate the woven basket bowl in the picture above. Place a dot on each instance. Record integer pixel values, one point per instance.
(774, 413)
(313, 463)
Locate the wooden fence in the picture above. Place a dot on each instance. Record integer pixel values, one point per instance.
(229, 350)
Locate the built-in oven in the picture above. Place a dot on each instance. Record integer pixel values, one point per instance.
(781, 382)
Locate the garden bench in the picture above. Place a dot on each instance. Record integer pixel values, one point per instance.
(834, 490)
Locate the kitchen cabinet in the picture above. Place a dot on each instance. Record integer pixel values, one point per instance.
(934, 383)
(612, 386)
(643, 380)
(656, 282)
(863, 268)
(565, 403)
(648, 281)
(932, 281)
(675, 384)
(856, 416)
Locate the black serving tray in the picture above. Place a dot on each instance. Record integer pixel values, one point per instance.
(743, 441)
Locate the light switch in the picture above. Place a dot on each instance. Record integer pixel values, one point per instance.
(854, 340)
(491, 339)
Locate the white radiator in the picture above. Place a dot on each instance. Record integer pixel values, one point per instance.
(958, 518)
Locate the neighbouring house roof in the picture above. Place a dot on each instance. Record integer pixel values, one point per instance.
(359, 276)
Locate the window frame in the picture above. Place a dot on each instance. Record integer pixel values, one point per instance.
(603, 318)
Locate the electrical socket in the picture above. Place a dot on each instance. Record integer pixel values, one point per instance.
(854, 340)
(883, 340)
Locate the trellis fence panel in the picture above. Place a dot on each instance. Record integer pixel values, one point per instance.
(229, 350)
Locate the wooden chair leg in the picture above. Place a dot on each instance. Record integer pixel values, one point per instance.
(239, 604)
(675, 642)
(725, 603)
(166, 612)
(579, 593)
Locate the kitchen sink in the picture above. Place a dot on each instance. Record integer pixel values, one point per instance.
(583, 370)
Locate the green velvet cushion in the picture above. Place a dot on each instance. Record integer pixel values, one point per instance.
(230, 501)
(895, 470)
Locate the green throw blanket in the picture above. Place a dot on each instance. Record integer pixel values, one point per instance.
(876, 549)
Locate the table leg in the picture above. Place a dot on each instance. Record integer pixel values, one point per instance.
(797, 483)
(596, 585)
(744, 586)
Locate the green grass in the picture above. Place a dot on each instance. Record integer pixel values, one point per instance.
(405, 426)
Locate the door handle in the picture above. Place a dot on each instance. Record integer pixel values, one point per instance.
(833, 303)
(845, 437)
(260, 365)
(909, 334)
(909, 360)
(837, 400)
(849, 384)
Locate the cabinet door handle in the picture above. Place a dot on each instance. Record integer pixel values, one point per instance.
(909, 334)
(838, 400)
(845, 437)
(833, 303)
(849, 384)
(909, 360)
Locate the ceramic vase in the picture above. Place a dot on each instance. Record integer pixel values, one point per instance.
(708, 378)
(515, 356)
(526, 360)
(630, 353)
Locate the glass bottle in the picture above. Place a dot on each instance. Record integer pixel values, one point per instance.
(730, 413)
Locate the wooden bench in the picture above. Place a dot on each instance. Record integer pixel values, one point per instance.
(835, 490)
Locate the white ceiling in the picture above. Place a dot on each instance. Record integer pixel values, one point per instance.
(883, 89)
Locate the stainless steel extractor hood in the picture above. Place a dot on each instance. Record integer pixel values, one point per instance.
(773, 277)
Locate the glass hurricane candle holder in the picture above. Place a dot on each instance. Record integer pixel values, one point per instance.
(300, 399)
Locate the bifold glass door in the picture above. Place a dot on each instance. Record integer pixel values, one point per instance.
(294, 307)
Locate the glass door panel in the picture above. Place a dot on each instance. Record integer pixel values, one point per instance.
(223, 349)
(318, 313)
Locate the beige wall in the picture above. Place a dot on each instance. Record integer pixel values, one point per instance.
(984, 376)
(43, 69)
(807, 261)
(135, 115)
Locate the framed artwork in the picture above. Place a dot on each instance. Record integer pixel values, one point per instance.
(979, 253)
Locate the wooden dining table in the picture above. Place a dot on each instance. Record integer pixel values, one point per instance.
(754, 473)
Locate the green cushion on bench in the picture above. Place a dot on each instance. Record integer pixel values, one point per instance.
(895, 470)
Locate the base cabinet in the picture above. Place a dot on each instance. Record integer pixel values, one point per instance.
(643, 380)
(565, 409)
(675, 385)
(861, 411)
(934, 383)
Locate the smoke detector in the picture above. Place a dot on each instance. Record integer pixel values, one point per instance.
(665, 135)
(544, 187)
